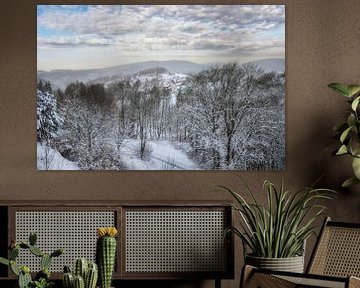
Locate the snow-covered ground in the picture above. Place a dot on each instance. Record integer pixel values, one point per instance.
(163, 156)
(50, 159)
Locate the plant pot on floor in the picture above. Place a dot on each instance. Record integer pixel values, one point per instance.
(290, 264)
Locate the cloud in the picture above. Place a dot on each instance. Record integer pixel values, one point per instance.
(233, 29)
(68, 42)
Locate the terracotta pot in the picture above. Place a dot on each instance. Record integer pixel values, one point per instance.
(291, 264)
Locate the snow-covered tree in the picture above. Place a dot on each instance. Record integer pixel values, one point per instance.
(48, 119)
(233, 118)
(87, 134)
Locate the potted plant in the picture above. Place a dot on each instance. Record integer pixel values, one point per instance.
(42, 278)
(348, 132)
(276, 233)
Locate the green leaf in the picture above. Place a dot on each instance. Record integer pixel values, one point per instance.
(345, 134)
(356, 167)
(342, 150)
(351, 120)
(354, 145)
(340, 88)
(14, 268)
(4, 261)
(355, 103)
(349, 182)
(353, 89)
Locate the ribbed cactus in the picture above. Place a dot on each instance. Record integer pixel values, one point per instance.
(87, 272)
(80, 267)
(106, 254)
(68, 280)
(79, 282)
(91, 276)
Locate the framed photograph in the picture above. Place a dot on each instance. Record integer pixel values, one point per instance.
(160, 87)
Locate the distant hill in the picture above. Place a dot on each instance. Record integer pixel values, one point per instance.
(269, 65)
(62, 78)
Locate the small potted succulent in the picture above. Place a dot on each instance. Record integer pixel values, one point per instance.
(84, 274)
(275, 233)
(348, 132)
(42, 278)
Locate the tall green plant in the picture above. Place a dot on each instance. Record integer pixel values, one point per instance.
(349, 131)
(279, 229)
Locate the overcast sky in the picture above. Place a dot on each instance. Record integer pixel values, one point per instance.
(92, 36)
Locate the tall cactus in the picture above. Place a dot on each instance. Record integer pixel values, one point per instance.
(106, 254)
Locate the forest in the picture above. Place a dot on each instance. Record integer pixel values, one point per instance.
(227, 117)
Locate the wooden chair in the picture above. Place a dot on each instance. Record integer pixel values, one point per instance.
(334, 263)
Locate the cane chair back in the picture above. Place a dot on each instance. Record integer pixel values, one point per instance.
(337, 252)
(335, 262)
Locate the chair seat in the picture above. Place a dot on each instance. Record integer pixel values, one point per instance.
(268, 279)
(315, 282)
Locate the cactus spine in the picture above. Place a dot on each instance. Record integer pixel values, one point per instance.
(106, 254)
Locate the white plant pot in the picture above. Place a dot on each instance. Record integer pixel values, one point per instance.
(291, 264)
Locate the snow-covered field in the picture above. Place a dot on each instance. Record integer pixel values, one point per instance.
(50, 159)
(163, 156)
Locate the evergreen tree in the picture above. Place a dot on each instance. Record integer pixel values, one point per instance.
(48, 120)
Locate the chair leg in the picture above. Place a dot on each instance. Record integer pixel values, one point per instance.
(246, 274)
(250, 278)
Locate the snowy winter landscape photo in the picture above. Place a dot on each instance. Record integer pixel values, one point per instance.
(161, 87)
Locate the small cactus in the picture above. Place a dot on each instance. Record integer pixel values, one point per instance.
(91, 276)
(79, 282)
(106, 254)
(89, 272)
(23, 273)
(13, 253)
(45, 261)
(24, 280)
(81, 265)
(36, 251)
(32, 238)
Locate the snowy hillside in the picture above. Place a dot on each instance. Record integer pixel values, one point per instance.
(62, 78)
(50, 159)
(170, 80)
(163, 156)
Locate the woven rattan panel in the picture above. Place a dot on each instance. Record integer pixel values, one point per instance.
(338, 253)
(75, 231)
(311, 282)
(175, 241)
